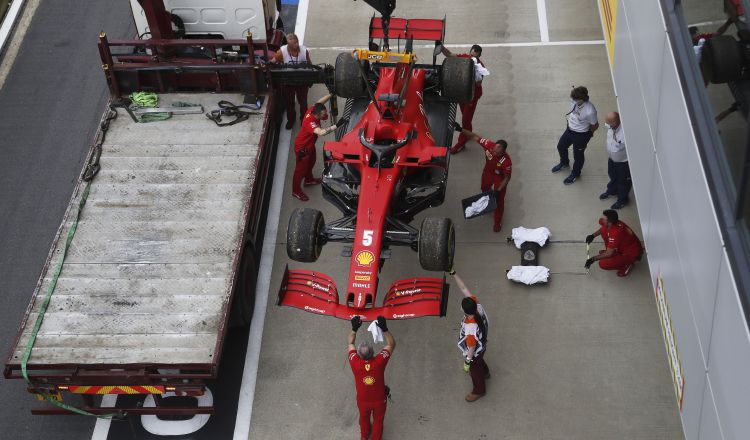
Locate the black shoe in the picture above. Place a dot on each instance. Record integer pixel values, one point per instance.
(289, 124)
(619, 205)
(559, 166)
(604, 196)
(570, 179)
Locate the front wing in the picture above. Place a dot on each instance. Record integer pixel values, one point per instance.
(315, 292)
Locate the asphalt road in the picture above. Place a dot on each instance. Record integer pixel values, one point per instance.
(51, 104)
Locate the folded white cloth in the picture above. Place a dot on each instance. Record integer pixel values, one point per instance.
(478, 206)
(479, 70)
(528, 274)
(521, 234)
(377, 334)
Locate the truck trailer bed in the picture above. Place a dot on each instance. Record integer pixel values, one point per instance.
(148, 276)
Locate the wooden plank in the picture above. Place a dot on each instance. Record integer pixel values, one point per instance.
(144, 271)
(234, 162)
(145, 193)
(111, 354)
(114, 211)
(206, 250)
(135, 303)
(155, 231)
(138, 286)
(109, 325)
(115, 151)
(197, 176)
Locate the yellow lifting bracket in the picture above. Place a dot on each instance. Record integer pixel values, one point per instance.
(387, 56)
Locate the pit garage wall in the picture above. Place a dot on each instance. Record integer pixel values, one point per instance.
(680, 228)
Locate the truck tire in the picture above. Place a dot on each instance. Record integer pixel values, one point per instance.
(721, 60)
(457, 79)
(437, 244)
(347, 81)
(304, 236)
(243, 300)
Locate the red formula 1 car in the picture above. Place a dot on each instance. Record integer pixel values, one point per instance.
(388, 164)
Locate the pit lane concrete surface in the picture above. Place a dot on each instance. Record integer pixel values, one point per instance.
(579, 358)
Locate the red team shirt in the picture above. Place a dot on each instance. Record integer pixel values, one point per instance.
(498, 166)
(369, 376)
(621, 238)
(306, 137)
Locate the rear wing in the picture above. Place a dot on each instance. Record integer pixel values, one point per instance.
(420, 29)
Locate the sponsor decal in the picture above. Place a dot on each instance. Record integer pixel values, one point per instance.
(362, 285)
(407, 292)
(362, 277)
(317, 286)
(365, 258)
(314, 310)
(363, 272)
(403, 315)
(368, 380)
(367, 367)
(374, 56)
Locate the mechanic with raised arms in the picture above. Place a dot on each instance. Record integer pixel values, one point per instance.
(304, 146)
(369, 378)
(468, 108)
(497, 170)
(472, 340)
(293, 53)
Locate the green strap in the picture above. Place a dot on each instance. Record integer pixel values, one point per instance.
(149, 99)
(43, 310)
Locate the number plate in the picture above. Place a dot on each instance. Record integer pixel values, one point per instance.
(54, 396)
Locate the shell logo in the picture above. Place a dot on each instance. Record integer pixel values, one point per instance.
(368, 380)
(365, 258)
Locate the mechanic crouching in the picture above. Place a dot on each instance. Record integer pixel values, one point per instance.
(369, 377)
(622, 247)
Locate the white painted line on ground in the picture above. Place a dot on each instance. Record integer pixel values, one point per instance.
(9, 21)
(301, 24)
(252, 356)
(101, 429)
(9, 46)
(486, 45)
(541, 12)
(707, 23)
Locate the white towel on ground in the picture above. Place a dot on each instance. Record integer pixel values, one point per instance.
(521, 234)
(528, 274)
(377, 334)
(478, 206)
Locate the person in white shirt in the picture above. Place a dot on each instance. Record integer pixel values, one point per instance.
(618, 169)
(293, 53)
(582, 123)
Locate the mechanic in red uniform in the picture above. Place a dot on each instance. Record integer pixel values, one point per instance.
(497, 170)
(304, 146)
(468, 108)
(622, 247)
(369, 377)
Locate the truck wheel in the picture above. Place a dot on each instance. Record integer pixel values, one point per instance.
(347, 81)
(437, 244)
(243, 301)
(457, 79)
(304, 236)
(721, 60)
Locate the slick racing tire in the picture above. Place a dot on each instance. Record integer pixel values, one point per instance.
(457, 79)
(304, 236)
(347, 80)
(721, 59)
(437, 244)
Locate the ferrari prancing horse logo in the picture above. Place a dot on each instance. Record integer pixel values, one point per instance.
(367, 367)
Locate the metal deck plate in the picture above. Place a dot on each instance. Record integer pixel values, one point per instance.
(149, 270)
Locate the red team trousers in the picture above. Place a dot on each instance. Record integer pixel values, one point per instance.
(303, 168)
(492, 181)
(467, 114)
(377, 411)
(618, 261)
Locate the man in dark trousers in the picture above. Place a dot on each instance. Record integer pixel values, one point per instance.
(497, 170)
(293, 53)
(369, 378)
(582, 122)
(622, 247)
(617, 166)
(304, 146)
(468, 108)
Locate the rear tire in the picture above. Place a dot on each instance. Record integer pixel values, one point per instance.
(437, 244)
(721, 60)
(347, 80)
(243, 301)
(304, 236)
(457, 79)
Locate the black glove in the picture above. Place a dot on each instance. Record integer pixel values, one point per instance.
(589, 262)
(457, 127)
(343, 122)
(356, 323)
(589, 238)
(381, 323)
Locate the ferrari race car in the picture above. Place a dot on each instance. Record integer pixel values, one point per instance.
(389, 163)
